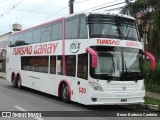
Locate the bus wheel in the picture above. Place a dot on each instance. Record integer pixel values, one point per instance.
(19, 83)
(14, 82)
(64, 93)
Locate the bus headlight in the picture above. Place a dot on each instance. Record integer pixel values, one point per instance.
(95, 86)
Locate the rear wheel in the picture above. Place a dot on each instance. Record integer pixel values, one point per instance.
(64, 93)
(19, 83)
(14, 82)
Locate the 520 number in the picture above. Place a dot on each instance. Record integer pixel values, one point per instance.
(82, 90)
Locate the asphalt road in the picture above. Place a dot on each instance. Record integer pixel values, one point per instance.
(12, 99)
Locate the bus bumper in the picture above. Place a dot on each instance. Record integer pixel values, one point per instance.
(101, 98)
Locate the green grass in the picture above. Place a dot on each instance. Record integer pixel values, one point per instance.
(153, 101)
(153, 88)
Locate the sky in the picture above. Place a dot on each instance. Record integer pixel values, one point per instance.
(30, 13)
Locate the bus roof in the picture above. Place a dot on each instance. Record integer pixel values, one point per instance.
(86, 13)
(103, 13)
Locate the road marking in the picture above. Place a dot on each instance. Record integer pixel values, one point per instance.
(21, 109)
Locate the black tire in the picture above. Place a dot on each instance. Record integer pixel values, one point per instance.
(18, 83)
(64, 93)
(14, 82)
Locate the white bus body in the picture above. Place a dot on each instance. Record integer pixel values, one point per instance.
(91, 69)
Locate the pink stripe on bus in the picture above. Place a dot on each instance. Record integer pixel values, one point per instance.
(63, 47)
(152, 60)
(94, 56)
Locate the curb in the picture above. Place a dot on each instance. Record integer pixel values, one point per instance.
(2, 77)
(148, 107)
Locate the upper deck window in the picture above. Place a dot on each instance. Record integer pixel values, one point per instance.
(46, 33)
(107, 26)
(72, 27)
(36, 35)
(56, 31)
(76, 27)
(83, 27)
(29, 37)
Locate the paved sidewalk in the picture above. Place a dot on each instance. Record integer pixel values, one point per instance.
(154, 95)
(2, 75)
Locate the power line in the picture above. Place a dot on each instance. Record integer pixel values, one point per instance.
(118, 8)
(109, 6)
(102, 5)
(81, 1)
(28, 11)
(49, 16)
(38, 10)
(2, 1)
(12, 8)
(36, 16)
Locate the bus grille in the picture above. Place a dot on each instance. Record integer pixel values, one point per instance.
(127, 87)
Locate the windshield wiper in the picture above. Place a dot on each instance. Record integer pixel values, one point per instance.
(113, 65)
(126, 72)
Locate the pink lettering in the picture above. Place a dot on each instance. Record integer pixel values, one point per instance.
(109, 42)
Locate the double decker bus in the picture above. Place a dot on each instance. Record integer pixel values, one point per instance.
(92, 58)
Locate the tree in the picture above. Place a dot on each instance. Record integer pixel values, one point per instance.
(150, 24)
(154, 32)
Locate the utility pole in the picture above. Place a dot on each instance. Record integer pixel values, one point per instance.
(71, 6)
(127, 4)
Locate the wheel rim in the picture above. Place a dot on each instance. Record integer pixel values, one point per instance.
(65, 92)
(13, 82)
(19, 83)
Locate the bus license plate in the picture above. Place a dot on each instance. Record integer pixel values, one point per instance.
(124, 100)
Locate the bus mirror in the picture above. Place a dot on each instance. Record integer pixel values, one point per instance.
(152, 60)
(94, 56)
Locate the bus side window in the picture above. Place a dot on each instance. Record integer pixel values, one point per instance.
(29, 37)
(11, 41)
(70, 65)
(26, 63)
(36, 35)
(22, 37)
(83, 66)
(42, 64)
(56, 31)
(59, 65)
(33, 63)
(16, 40)
(53, 65)
(46, 34)
(83, 28)
(71, 28)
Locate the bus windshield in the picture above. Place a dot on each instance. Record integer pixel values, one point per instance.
(105, 26)
(120, 66)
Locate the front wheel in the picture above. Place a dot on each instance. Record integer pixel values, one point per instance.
(64, 93)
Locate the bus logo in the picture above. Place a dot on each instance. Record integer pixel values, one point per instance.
(124, 88)
(75, 46)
